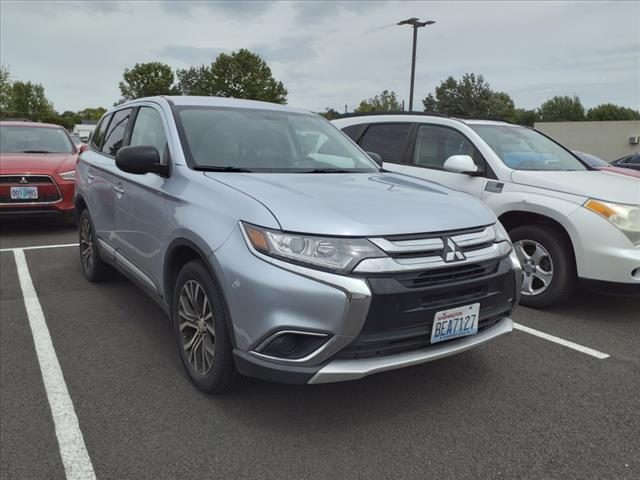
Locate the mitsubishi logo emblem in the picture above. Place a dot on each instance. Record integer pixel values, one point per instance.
(23, 180)
(451, 251)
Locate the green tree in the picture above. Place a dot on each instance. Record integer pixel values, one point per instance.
(5, 92)
(29, 101)
(147, 80)
(562, 109)
(522, 116)
(244, 74)
(471, 96)
(384, 102)
(609, 111)
(92, 113)
(196, 81)
(330, 113)
(241, 74)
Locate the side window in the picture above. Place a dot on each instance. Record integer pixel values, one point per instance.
(98, 134)
(115, 134)
(386, 139)
(634, 160)
(355, 131)
(434, 144)
(148, 130)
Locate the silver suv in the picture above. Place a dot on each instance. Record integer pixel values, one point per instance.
(280, 250)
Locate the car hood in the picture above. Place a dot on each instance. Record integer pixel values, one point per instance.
(591, 183)
(26, 163)
(359, 204)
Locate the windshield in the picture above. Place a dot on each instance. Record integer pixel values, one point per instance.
(267, 141)
(22, 139)
(521, 148)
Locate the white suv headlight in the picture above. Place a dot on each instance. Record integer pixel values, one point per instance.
(625, 217)
(70, 175)
(337, 254)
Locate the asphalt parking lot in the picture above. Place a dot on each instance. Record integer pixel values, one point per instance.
(519, 407)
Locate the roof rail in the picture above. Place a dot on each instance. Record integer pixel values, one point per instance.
(367, 114)
(491, 119)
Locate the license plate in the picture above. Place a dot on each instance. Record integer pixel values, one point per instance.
(455, 322)
(24, 193)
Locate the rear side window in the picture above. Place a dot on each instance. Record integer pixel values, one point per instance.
(97, 136)
(148, 130)
(114, 137)
(355, 131)
(634, 160)
(435, 144)
(387, 140)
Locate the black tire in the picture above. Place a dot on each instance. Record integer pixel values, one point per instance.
(557, 245)
(214, 370)
(93, 267)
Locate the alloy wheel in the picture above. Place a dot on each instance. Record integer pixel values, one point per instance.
(537, 266)
(196, 327)
(86, 245)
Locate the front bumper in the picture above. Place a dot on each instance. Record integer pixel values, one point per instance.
(55, 195)
(342, 370)
(372, 323)
(604, 255)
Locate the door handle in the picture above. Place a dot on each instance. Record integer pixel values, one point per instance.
(90, 176)
(118, 189)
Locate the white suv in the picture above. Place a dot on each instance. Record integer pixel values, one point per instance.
(568, 221)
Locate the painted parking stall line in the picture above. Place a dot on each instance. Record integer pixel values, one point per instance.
(39, 247)
(75, 458)
(561, 341)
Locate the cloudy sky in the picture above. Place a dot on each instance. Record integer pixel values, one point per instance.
(330, 53)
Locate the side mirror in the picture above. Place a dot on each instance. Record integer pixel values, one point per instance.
(375, 157)
(141, 159)
(83, 148)
(462, 164)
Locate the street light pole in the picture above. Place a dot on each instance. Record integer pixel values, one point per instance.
(416, 24)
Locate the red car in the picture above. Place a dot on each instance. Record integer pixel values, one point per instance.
(597, 162)
(37, 170)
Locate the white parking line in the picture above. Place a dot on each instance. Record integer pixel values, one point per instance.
(38, 247)
(566, 343)
(75, 458)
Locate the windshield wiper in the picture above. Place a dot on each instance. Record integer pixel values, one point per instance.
(202, 168)
(35, 151)
(325, 170)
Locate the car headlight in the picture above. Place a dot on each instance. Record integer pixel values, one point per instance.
(70, 175)
(336, 254)
(501, 233)
(625, 217)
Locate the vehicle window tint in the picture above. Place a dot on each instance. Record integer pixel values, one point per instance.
(387, 140)
(98, 134)
(148, 130)
(354, 131)
(634, 160)
(435, 144)
(115, 134)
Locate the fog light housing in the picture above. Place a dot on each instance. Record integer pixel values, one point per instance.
(292, 345)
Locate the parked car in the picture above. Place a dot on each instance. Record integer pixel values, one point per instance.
(600, 164)
(84, 130)
(37, 170)
(630, 161)
(282, 258)
(568, 222)
(77, 141)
